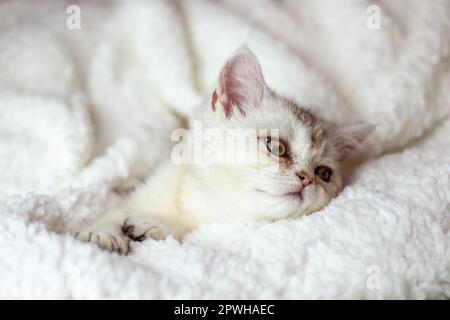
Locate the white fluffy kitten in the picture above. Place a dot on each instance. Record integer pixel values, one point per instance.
(308, 153)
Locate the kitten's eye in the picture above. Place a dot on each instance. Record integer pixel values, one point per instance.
(324, 173)
(277, 147)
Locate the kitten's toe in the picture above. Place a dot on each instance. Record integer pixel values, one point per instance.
(105, 240)
(132, 232)
(139, 229)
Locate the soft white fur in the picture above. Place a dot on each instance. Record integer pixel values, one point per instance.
(82, 110)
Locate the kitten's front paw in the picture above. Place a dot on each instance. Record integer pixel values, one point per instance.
(106, 240)
(139, 228)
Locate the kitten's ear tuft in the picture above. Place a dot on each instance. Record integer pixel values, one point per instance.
(241, 84)
(348, 138)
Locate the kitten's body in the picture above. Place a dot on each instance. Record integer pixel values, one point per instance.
(304, 175)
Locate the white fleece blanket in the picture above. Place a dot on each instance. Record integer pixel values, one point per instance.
(84, 114)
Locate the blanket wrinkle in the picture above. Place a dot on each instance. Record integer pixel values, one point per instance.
(86, 114)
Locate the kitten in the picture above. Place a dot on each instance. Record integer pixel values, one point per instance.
(301, 172)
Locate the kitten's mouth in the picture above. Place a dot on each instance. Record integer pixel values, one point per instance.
(296, 195)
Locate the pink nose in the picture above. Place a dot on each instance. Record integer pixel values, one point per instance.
(304, 178)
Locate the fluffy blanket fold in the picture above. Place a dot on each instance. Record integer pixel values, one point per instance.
(83, 112)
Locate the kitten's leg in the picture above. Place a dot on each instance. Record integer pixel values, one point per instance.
(106, 232)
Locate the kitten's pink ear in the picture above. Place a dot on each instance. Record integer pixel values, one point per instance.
(348, 138)
(241, 84)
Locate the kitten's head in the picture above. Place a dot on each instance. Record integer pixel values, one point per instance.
(301, 168)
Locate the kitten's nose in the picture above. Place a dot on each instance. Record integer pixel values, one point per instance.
(304, 178)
